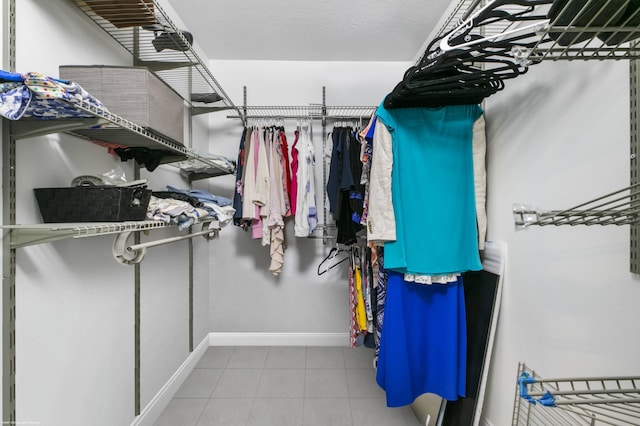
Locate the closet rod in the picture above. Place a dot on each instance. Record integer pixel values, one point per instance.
(131, 254)
(294, 117)
(311, 111)
(141, 246)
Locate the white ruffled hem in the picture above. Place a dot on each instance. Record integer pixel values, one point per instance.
(431, 279)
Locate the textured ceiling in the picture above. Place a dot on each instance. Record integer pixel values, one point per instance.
(310, 30)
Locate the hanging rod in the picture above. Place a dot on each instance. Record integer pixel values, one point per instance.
(129, 254)
(314, 111)
(136, 247)
(620, 207)
(310, 111)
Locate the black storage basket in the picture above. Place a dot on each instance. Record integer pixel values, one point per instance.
(92, 204)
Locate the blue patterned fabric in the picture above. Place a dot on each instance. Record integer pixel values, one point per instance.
(381, 295)
(14, 100)
(35, 95)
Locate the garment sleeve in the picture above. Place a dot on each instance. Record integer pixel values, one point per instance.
(480, 178)
(249, 178)
(261, 196)
(301, 218)
(381, 223)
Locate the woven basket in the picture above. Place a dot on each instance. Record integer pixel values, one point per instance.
(92, 204)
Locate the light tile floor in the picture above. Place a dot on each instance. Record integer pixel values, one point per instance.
(283, 386)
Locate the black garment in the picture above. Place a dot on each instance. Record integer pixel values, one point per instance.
(172, 41)
(149, 158)
(335, 171)
(344, 190)
(237, 197)
(206, 98)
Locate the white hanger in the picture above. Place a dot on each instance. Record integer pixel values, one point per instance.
(445, 45)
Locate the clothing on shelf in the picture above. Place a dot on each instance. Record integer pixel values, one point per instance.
(202, 201)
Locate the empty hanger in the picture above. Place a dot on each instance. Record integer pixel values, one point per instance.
(333, 253)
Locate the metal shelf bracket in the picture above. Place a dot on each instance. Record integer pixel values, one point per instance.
(621, 207)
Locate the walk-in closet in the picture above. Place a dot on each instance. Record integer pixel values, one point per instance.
(320, 213)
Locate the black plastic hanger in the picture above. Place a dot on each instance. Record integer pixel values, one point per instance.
(333, 253)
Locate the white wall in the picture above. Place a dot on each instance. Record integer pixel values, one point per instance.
(245, 297)
(75, 303)
(559, 136)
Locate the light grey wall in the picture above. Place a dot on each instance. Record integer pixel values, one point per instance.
(559, 136)
(75, 304)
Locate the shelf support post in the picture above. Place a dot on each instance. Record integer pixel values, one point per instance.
(8, 218)
(634, 100)
(325, 203)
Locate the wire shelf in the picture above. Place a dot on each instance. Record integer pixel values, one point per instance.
(608, 33)
(179, 66)
(575, 401)
(621, 207)
(25, 235)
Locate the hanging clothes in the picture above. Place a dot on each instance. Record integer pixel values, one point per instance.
(436, 231)
(294, 173)
(278, 203)
(381, 222)
(283, 152)
(240, 169)
(480, 178)
(423, 341)
(366, 153)
(263, 189)
(344, 188)
(423, 159)
(249, 177)
(358, 320)
(381, 294)
(306, 217)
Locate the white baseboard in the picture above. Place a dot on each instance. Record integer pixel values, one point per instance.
(157, 405)
(279, 339)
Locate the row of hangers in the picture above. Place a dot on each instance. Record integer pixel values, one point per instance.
(279, 122)
(338, 255)
(467, 64)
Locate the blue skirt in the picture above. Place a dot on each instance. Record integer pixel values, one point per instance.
(424, 341)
